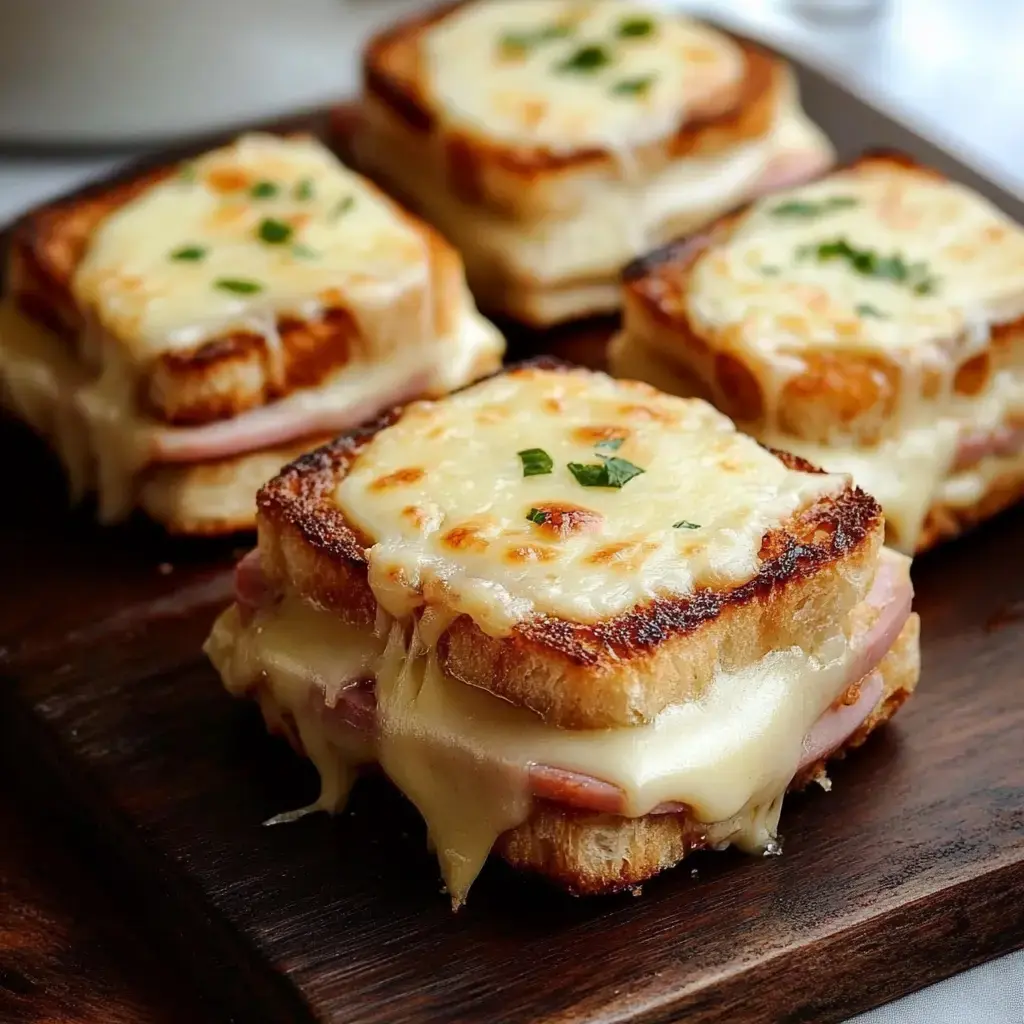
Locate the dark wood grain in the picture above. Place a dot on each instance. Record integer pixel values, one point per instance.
(911, 869)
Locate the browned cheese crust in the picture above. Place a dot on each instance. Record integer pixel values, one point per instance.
(836, 389)
(223, 376)
(619, 672)
(529, 181)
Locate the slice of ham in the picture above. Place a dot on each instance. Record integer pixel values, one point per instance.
(975, 445)
(888, 603)
(790, 168)
(278, 423)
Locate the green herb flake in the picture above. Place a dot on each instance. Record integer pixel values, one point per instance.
(518, 44)
(538, 516)
(188, 173)
(685, 524)
(341, 207)
(797, 208)
(304, 252)
(536, 462)
(613, 444)
(633, 86)
(869, 263)
(771, 271)
(303, 190)
(634, 28)
(866, 309)
(585, 60)
(189, 254)
(612, 472)
(264, 190)
(274, 232)
(238, 285)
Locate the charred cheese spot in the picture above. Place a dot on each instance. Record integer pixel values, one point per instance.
(465, 538)
(603, 432)
(562, 520)
(523, 553)
(972, 375)
(553, 405)
(416, 515)
(399, 478)
(628, 556)
(228, 179)
(645, 412)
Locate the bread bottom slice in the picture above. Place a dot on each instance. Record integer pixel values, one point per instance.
(589, 854)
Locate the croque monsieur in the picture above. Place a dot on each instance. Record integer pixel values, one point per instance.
(554, 140)
(182, 335)
(872, 323)
(576, 621)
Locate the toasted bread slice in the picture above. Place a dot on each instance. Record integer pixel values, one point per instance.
(591, 853)
(825, 320)
(622, 652)
(457, 77)
(275, 256)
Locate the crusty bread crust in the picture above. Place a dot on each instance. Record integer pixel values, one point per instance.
(589, 854)
(220, 377)
(838, 391)
(619, 672)
(531, 182)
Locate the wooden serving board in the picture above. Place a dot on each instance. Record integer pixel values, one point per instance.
(910, 870)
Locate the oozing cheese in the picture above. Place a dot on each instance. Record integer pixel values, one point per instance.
(776, 292)
(264, 228)
(98, 435)
(907, 474)
(520, 72)
(463, 755)
(443, 496)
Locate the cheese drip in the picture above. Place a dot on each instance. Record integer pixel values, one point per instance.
(462, 755)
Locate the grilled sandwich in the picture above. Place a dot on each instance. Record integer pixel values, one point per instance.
(552, 141)
(581, 624)
(872, 323)
(180, 336)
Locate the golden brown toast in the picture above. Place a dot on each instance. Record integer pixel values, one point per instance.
(753, 315)
(620, 670)
(533, 181)
(221, 376)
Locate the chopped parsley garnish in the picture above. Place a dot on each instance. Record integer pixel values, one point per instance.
(771, 271)
(868, 262)
(685, 524)
(264, 190)
(303, 252)
(809, 208)
(518, 44)
(613, 444)
(188, 173)
(585, 59)
(611, 472)
(189, 253)
(238, 285)
(866, 309)
(633, 86)
(633, 28)
(536, 461)
(304, 189)
(341, 208)
(274, 232)
(538, 516)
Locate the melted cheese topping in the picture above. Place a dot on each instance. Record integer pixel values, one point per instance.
(105, 443)
(908, 473)
(442, 494)
(463, 755)
(518, 72)
(346, 245)
(769, 287)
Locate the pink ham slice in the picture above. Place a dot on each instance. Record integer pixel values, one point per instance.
(890, 596)
(795, 167)
(976, 445)
(277, 424)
